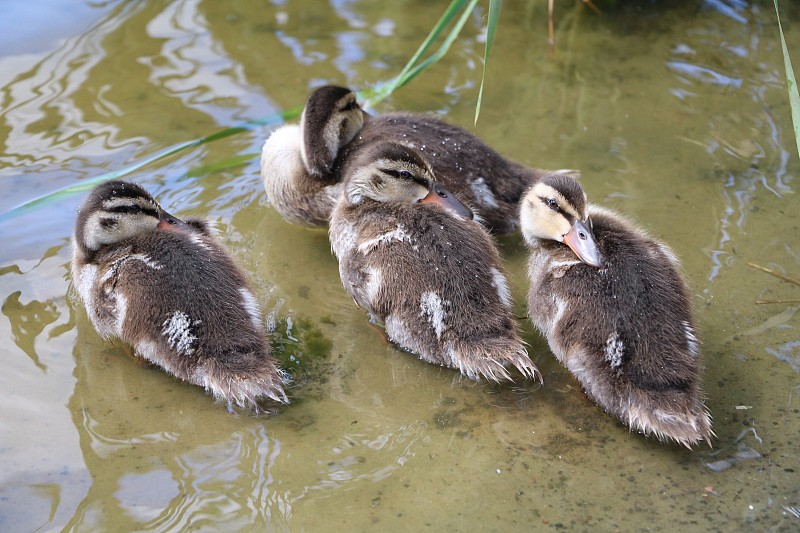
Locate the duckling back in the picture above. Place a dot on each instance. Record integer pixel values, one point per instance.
(436, 282)
(487, 182)
(179, 299)
(625, 331)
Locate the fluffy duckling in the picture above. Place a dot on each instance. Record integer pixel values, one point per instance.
(409, 253)
(615, 310)
(297, 160)
(169, 289)
(302, 165)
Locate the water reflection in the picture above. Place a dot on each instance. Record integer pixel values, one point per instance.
(164, 456)
(677, 116)
(156, 463)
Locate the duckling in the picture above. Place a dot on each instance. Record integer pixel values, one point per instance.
(168, 288)
(302, 166)
(297, 160)
(615, 310)
(410, 254)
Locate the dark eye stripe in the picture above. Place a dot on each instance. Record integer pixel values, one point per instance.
(132, 209)
(405, 175)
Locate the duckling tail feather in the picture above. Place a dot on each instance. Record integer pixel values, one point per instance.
(243, 387)
(491, 359)
(683, 420)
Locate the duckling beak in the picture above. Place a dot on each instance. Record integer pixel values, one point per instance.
(171, 223)
(440, 196)
(581, 240)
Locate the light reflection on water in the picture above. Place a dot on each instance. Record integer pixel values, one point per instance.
(676, 115)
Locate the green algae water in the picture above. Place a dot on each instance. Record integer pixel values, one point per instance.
(675, 113)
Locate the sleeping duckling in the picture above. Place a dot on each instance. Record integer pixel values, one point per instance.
(297, 160)
(615, 310)
(302, 166)
(409, 253)
(169, 289)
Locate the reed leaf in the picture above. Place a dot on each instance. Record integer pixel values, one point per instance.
(791, 82)
(494, 16)
(218, 166)
(414, 67)
(411, 70)
(88, 184)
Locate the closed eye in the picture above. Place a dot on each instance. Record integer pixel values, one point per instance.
(402, 174)
(130, 209)
(133, 209)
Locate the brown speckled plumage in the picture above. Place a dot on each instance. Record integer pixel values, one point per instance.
(177, 297)
(435, 280)
(626, 330)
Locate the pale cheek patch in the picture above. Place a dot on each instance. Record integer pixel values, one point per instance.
(432, 308)
(177, 330)
(615, 350)
(499, 282)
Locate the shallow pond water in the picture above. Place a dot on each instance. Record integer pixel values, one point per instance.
(676, 114)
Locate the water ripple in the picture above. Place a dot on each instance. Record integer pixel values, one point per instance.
(704, 74)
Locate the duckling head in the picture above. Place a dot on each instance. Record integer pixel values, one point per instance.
(555, 208)
(330, 120)
(394, 173)
(118, 210)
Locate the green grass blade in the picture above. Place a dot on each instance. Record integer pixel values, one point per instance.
(383, 90)
(443, 48)
(89, 184)
(217, 166)
(412, 69)
(791, 82)
(494, 16)
(444, 21)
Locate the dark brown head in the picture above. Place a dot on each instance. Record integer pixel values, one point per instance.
(331, 118)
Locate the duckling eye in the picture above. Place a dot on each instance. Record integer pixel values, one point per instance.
(406, 175)
(552, 203)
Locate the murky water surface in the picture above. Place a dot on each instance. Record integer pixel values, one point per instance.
(677, 116)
